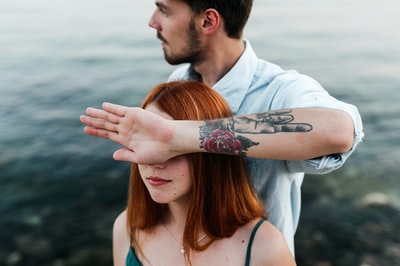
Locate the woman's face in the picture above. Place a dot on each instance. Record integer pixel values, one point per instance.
(170, 181)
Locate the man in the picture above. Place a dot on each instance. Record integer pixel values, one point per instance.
(286, 124)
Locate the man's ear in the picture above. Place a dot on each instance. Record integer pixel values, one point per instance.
(211, 21)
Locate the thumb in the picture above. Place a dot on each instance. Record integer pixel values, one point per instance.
(124, 155)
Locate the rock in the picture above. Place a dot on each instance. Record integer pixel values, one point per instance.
(13, 259)
(32, 245)
(377, 198)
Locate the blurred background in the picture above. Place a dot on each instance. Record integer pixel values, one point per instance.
(60, 190)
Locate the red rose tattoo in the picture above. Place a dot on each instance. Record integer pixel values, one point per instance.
(221, 141)
(219, 138)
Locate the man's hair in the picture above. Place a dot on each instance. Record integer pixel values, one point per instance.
(235, 13)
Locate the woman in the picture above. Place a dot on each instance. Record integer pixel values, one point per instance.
(195, 209)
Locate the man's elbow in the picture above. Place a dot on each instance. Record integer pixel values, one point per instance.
(343, 137)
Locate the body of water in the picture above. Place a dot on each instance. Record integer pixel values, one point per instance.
(60, 189)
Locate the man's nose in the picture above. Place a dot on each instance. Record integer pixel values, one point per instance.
(153, 21)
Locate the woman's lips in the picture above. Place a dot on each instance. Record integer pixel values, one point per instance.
(156, 181)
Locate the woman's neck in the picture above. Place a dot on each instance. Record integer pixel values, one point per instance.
(176, 216)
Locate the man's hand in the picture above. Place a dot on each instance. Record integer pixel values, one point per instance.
(146, 137)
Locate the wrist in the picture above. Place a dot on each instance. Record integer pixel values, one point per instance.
(185, 136)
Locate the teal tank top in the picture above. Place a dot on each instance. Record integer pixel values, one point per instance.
(133, 260)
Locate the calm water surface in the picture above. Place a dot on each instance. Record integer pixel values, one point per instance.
(58, 57)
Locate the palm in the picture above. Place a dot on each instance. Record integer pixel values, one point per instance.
(144, 135)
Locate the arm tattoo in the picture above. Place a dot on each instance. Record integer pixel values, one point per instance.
(221, 136)
(218, 136)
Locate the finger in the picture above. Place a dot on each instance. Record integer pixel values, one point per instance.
(124, 155)
(89, 121)
(293, 127)
(282, 119)
(102, 114)
(115, 109)
(99, 123)
(102, 133)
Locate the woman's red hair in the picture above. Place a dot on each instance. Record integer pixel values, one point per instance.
(222, 197)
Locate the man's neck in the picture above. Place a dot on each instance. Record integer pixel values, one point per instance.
(220, 58)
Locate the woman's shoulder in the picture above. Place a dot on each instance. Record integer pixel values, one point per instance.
(120, 226)
(121, 239)
(269, 246)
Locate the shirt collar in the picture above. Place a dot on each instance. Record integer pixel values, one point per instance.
(235, 84)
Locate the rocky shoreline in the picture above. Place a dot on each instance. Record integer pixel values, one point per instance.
(349, 232)
(69, 223)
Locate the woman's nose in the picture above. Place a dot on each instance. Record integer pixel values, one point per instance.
(158, 166)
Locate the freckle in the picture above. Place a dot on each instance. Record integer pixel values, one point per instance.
(242, 240)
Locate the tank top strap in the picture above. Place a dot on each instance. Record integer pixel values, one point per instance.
(253, 233)
(132, 259)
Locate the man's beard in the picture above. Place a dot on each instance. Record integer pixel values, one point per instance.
(192, 53)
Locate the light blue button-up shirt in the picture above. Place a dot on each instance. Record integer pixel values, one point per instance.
(254, 85)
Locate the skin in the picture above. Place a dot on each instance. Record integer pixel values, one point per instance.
(217, 52)
(138, 130)
(269, 247)
(170, 183)
(179, 46)
(148, 138)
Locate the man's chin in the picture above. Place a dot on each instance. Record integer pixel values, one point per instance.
(174, 61)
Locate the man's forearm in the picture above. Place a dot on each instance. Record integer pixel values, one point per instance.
(293, 134)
